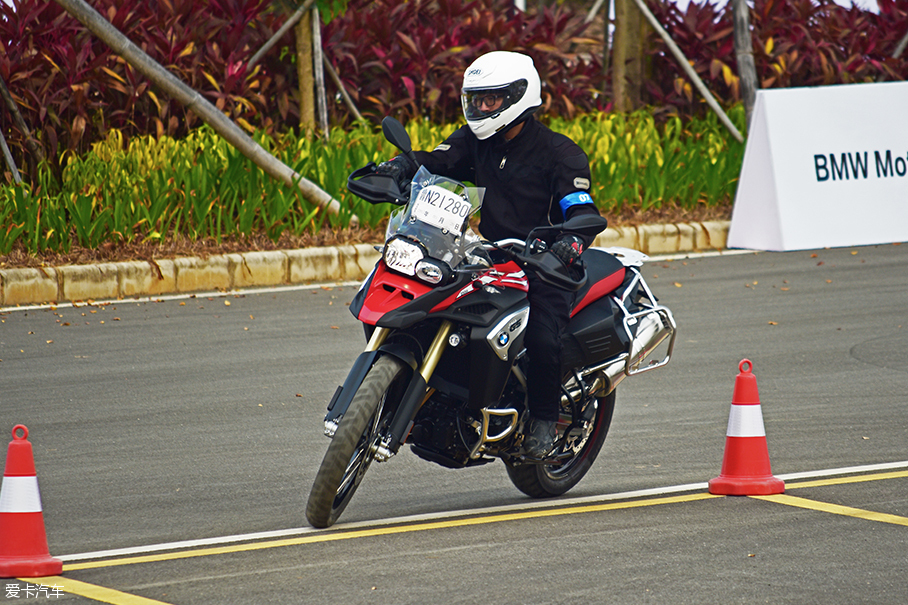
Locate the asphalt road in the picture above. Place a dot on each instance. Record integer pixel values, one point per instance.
(200, 419)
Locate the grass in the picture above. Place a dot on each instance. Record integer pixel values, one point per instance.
(158, 198)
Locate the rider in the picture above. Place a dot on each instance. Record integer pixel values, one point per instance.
(533, 177)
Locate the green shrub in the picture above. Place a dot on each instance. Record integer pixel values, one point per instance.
(155, 189)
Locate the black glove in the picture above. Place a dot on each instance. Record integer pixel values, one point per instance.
(399, 167)
(568, 248)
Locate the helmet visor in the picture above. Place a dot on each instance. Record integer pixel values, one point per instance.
(481, 103)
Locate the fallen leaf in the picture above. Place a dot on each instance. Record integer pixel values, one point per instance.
(828, 281)
(183, 304)
(298, 395)
(49, 341)
(773, 323)
(784, 289)
(226, 303)
(335, 328)
(677, 285)
(813, 255)
(854, 252)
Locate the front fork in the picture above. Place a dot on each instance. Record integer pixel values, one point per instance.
(416, 394)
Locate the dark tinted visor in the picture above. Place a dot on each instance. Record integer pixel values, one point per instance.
(482, 103)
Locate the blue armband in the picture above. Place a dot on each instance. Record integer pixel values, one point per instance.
(574, 199)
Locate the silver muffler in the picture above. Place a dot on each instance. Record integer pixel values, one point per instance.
(653, 327)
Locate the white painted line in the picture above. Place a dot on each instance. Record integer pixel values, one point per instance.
(848, 470)
(509, 508)
(182, 296)
(710, 254)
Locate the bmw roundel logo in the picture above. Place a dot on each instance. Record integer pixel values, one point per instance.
(503, 339)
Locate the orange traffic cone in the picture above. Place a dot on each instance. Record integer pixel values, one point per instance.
(745, 467)
(23, 543)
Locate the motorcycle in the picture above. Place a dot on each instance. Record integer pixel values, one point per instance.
(444, 367)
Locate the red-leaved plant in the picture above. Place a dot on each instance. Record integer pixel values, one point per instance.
(400, 58)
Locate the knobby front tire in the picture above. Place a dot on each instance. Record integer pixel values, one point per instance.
(353, 448)
(547, 480)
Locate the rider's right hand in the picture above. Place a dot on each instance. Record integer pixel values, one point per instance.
(400, 168)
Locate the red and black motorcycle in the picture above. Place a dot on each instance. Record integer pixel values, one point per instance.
(444, 369)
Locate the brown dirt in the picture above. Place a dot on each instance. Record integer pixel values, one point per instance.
(111, 252)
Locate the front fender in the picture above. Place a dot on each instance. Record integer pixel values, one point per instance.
(339, 403)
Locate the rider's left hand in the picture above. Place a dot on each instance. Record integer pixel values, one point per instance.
(568, 248)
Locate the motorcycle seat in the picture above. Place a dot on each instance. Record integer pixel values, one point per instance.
(605, 273)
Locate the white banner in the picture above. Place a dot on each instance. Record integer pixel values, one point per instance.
(824, 167)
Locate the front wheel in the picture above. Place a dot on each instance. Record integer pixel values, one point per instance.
(554, 479)
(353, 448)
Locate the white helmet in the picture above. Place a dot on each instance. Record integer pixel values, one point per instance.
(503, 75)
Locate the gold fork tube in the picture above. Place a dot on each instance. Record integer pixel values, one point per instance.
(436, 350)
(379, 335)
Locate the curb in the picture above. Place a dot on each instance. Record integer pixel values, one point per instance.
(105, 281)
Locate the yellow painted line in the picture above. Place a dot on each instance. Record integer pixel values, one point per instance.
(835, 509)
(385, 531)
(845, 480)
(56, 584)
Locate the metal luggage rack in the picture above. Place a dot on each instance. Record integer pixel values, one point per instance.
(657, 315)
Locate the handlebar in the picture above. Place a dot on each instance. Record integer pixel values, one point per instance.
(545, 265)
(376, 188)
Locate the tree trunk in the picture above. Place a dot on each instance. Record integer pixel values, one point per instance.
(619, 57)
(173, 87)
(290, 22)
(747, 70)
(304, 72)
(627, 57)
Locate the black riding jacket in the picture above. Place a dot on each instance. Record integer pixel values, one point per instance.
(525, 178)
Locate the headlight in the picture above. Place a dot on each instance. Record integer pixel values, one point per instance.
(430, 272)
(402, 256)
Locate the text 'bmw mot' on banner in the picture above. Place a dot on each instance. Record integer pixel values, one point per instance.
(824, 167)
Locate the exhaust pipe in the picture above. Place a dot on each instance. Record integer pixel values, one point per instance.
(654, 327)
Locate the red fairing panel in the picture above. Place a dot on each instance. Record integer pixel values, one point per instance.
(599, 289)
(507, 275)
(389, 291)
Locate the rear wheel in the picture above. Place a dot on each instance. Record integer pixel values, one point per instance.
(353, 448)
(554, 479)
